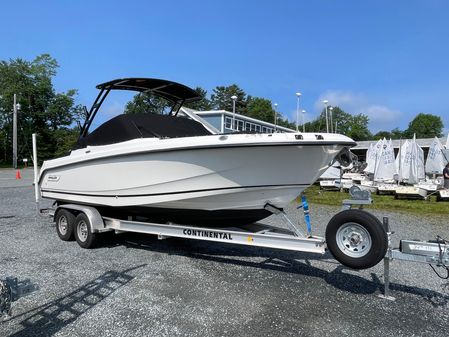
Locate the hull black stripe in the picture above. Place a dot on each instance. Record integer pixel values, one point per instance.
(170, 193)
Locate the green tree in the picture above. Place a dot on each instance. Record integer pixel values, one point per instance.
(221, 98)
(204, 104)
(383, 134)
(43, 110)
(425, 126)
(397, 134)
(260, 108)
(65, 139)
(148, 103)
(353, 126)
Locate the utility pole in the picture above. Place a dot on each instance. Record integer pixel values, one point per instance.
(14, 134)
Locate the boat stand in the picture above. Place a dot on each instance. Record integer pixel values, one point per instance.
(434, 253)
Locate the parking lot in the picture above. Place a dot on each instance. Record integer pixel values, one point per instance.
(137, 285)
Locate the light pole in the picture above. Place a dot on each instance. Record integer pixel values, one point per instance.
(298, 95)
(16, 108)
(234, 98)
(275, 117)
(327, 119)
(331, 109)
(3, 134)
(303, 121)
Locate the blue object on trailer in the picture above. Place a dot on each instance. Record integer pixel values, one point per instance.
(305, 206)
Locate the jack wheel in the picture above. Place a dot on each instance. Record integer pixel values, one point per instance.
(356, 239)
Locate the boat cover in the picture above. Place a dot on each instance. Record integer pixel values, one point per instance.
(131, 126)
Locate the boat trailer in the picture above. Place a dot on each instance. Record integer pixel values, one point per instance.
(434, 253)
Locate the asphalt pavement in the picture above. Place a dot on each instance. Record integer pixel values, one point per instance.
(137, 285)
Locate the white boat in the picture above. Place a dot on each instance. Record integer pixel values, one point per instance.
(385, 168)
(428, 186)
(386, 188)
(367, 185)
(329, 185)
(436, 160)
(443, 195)
(353, 176)
(410, 192)
(175, 169)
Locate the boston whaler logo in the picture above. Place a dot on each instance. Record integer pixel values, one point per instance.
(53, 178)
(207, 234)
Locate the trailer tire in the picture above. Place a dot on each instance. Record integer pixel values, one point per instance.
(83, 232)
(65, 220)
(356, 238)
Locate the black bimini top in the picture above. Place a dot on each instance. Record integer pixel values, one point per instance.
(171, 91)
(131, 126)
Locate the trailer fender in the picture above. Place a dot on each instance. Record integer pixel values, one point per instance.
(96, 222)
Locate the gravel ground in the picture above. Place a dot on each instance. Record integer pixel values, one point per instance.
(136, 285)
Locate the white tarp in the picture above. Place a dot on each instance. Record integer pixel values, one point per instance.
(385, 166)
(435, 159)
(402, 159)
(372, 155)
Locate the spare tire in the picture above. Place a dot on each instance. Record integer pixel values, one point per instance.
(356, 238)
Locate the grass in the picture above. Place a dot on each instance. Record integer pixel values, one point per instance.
(382, 202)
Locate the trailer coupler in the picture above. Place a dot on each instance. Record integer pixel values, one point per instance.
(435, 253)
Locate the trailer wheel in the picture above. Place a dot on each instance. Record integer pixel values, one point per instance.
(356, 239)
(65, 220)
(83, 233)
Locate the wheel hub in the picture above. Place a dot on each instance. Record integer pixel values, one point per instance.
(354, 240)
(82, 231)
(63, 225)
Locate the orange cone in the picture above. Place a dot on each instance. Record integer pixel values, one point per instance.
(18, 176)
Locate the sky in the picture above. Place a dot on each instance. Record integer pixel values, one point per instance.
(386, 59)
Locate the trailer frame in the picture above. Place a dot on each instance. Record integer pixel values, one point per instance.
(256, 234)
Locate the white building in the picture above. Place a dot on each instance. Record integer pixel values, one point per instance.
(222, 121)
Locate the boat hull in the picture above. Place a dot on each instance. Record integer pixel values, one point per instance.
(191, 184)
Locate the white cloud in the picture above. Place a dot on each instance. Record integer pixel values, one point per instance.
(380, 116)
(343, 99)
